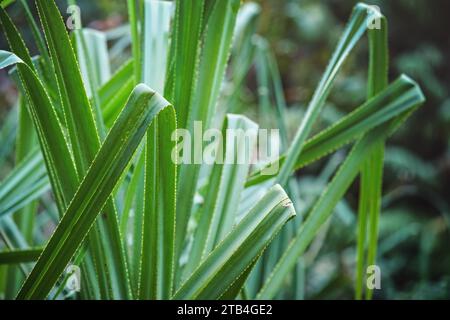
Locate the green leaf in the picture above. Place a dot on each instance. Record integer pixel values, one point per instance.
(226, 183)
(184, 56)
(85, 141)
(330, 197)
(51, 137)
(179, 89)
(134, 17)
(372, 170)
(216, 275)
(79, 117)
(114, 93)
(93, 58)
(155, 229)
(269, 82)
(143, 106)
(38, 38)
(8, 134)
(6, 3)
(158, 227)
(25, 183)
(198, 102)
(388, 104)
(20, 256)
(320, 213)
(176, 246)
(272, 102)
(353, 32)
(25, 143)
(96, 58)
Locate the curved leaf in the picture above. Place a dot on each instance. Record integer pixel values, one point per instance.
(217, 274)
(142, 107)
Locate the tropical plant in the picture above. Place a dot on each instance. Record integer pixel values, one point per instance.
(94, 157)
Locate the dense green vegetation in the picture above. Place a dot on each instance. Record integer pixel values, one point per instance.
(88, 179)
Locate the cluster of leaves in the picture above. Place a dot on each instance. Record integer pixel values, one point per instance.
(141, 226)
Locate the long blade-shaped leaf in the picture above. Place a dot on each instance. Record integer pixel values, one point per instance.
(225, 186)
(158, 228)
(390, 103)
(355, 29)
(240, 249)
(85, 141)
(216, 38)
(89, 200)
(179, 89)
(79, 116)
(372, 170)
(51, 137)
(331, 196)
(93, 58)
(184, 56)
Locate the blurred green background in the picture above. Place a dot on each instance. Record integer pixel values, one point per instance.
(414, 234)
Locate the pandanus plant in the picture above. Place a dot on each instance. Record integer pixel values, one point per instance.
(94, 157)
